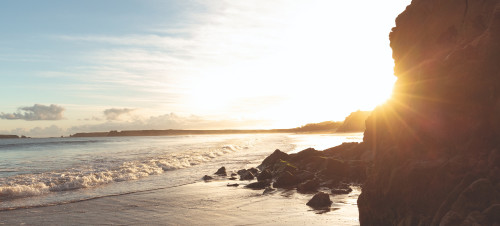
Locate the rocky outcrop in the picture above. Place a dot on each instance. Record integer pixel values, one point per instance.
(436, 143)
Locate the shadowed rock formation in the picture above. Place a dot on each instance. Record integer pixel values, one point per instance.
(436, 142)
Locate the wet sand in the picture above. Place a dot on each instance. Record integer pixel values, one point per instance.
(211, 203)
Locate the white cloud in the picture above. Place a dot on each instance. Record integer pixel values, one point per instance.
(36, 112)
(116, 113)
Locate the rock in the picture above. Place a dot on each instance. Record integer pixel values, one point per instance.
(206, 178)
(242, 171)
(268, 190)
(234, 174)
(432, 140)
(286, 179)
(264, 175)
(254, 171)
(320, 200)
(336, 168)
(221, 171)
(308, 186)
(232, 178)
(340, 191)
(233, 185)
(259, 184)
(276, 156)
(247, 175)
(282, 166)
(493, 213)
(305, 175)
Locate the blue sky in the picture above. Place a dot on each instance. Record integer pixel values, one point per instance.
(70, 66)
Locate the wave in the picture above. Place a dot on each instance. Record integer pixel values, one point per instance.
(27, 185)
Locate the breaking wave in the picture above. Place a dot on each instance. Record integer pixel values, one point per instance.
(89, 176)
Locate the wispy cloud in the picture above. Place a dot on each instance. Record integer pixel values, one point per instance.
(36, 112)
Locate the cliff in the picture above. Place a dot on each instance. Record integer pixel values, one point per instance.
(355, 122)
(436, 142)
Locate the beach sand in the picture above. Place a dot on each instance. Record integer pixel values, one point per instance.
(201, 203)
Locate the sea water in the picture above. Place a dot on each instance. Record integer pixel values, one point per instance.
(53, 171)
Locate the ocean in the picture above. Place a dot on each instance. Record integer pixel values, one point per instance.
(38, 173)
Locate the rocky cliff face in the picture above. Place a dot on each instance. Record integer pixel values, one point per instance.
(436, 143)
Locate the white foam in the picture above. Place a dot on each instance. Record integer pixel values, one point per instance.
(87, 177)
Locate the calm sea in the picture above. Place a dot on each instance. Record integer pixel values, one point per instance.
(41, 172)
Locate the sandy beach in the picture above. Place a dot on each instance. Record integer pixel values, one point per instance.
(201, 203)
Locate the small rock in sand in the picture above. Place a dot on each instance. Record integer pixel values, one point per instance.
(221, 171)
(206, 177)
(320, 200)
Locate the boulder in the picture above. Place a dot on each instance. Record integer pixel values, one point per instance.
(221, 171)
(336, 168)
(320, 200)
(233, 185)
(247, 175)
(264, 175)
(207, 178)
(276, 156)
(308, 186)
(259, 184)
(282, 166)
(254, 171)
(286, 179)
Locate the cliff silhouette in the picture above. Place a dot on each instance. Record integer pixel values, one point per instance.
(436, 142)
(355, 122)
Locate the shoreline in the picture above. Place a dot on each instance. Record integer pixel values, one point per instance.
(201, 203)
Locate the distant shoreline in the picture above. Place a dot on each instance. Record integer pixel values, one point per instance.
(127, 133)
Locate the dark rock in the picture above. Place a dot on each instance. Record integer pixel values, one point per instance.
(254, 171)
(302, 158)
(432, 141)
(282, 166)
(232, 178)
(233, 185)
(264, 175)
(308, 186)
(276, 156)
(234, 174)
(493, 213)
(320, 200)
(336, 168)
(247, 175)
(304, 175)
(221, 171)
(206, 178)
(242, 171)
(286, 179)
(259, 184)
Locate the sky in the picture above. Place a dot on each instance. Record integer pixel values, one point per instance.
(82, 66)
